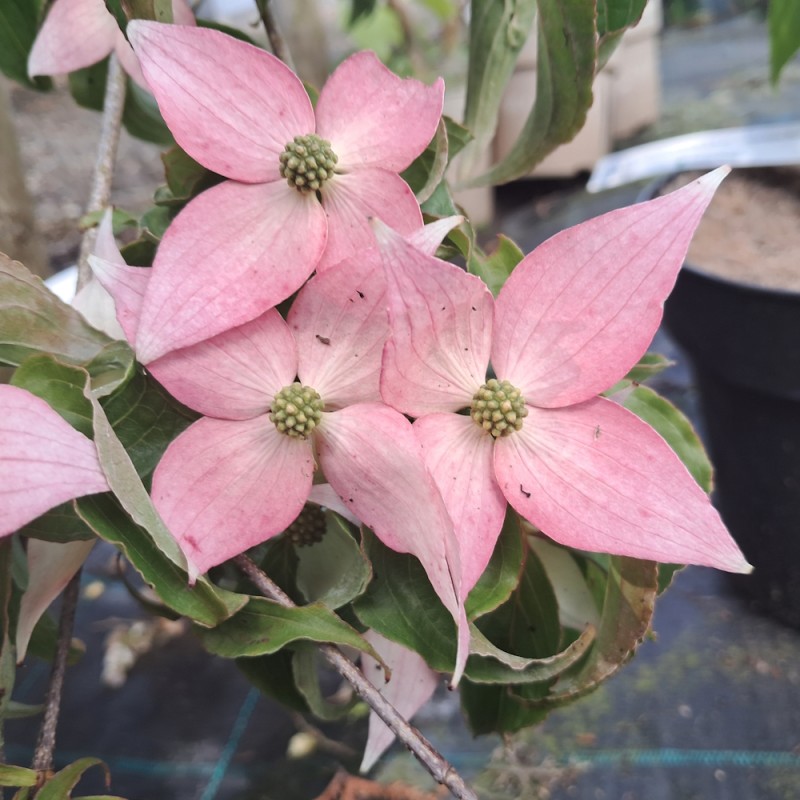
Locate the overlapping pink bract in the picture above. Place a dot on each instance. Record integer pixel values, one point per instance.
(248, 243)
(572, 319)
(79, 33)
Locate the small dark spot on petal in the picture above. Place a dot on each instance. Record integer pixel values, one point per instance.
(360, 293)
(527, 494)
(323, 339)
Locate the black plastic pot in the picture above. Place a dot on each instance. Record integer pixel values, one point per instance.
(744, 345)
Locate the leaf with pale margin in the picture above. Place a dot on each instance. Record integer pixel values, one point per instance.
(334, 571)
(204, 602)
(60, 786)
(273, 676)
(565, 71)
(783, 19)
(497, 33)
(17, 776)
(627, 613)
(495, 267)
(264, 627)
(649, 365)
(33, 320)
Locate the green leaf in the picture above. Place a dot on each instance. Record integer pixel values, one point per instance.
(204, 603)
(156, 10)
(263, 627)
(146, 419)
(497, 32)
(334, 571)
(783, 19)
(360, 8)
(427, 170)
(502, 574)
(17, 776)
(8, 661)
(676, 429)
(19, 24)
(44, 640)
(60, 786)
(185, 178)
(274, 676)
(17, 710)
(33, 320)
(306, 672)
(499, 709)
(495, 268)
(614, 17)
(564, 75)
(401, 605)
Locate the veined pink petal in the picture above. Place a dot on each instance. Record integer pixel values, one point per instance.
(595, 477)
(233, 375)
(75, 34)
(44, 461)
(51, 566)
(223, 487)
(372, 117)
(105, 245)
(373, 460)
(579, 311)
(412, 685)
(231, 254)
(127, 286)
(340, 324)
(441, 326)
(129, 61)
(460, 457)
(230, 105)
(350, 200)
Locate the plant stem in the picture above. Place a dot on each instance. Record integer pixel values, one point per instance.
(45, 746)
(439, 768)
(276, 40)
(100, 192)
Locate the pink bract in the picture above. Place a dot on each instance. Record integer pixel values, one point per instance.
(572, 319)
(235, 108)
(44, 461)
(79, 33)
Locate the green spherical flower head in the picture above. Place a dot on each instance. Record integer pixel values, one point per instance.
(307, 162)
(498, 407)
(296, 410)
(308, 528)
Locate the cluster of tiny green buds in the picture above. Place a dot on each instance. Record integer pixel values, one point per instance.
(309, 527)
(498, 407)
(296, 410)
(307, 162)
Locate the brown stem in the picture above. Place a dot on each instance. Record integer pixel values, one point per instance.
(45, 746)
(276, 40)
(437, 766)
(100, 192)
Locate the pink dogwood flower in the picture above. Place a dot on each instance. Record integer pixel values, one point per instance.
(572, 319)
(79, 33)
(302, 182)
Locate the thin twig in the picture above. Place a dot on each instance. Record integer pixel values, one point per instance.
(45, 746)
(100, 192)
(276, 40)
(437, 766)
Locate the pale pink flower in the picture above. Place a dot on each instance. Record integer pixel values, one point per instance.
(79, 33)
(572, 319)
(44, 461)
(239, 111)
(280, 397)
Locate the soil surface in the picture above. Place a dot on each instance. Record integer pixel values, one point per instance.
(751, 231)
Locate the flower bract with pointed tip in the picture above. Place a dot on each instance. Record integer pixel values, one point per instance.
(572, 319)
(79, 33)
(302, 185)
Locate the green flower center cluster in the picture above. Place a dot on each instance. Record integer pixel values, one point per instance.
(498, 407)
(296, 410)
(307, 162)
(308, 528)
